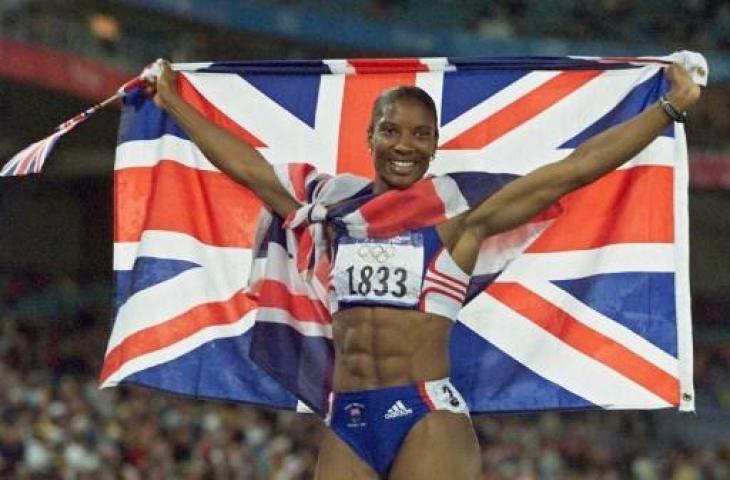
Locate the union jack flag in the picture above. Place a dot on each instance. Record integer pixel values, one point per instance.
(31, 158)
(592, 312)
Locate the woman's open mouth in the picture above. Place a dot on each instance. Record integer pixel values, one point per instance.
(403, 166)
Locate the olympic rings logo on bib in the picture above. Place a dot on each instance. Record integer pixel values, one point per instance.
(378, 252)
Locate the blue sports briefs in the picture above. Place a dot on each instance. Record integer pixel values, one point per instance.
(374, 423)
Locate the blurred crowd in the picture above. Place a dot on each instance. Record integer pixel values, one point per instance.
(655, 24)
(56, 423)
(697, 24)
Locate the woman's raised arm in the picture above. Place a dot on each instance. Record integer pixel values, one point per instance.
(230, 154)
(527, 196)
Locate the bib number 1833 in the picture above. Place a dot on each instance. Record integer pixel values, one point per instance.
(381, 281)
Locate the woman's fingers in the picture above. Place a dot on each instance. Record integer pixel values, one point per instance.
(160, 80)
(684, 91)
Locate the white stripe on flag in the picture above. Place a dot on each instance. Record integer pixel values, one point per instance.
(291, 141)
(178, 349)
(681, 278)
(322, 148)
(552, 359)
(603, 324)
(340, 66)
(357, 227)
(179, 246)
(448, 192)
(498, 250)
(493, 104)
(157, 305)
(553, 127)
(277, 268)
(148, 153)
(223, 273)
(624, 257)
(436, 65)
(560, 122)
(190, 66)
(279, 315)
(659, 153)
(246, 105)
(433, 83)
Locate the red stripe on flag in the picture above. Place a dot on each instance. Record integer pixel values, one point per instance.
(594, 344)
(174, 330)
(204, 106)
(353, 155)
(396, 211)
(626, 206)
(322, 270)
(299, 306)
(204, 204)
(521, 110)
(298, 178)
(304, 250)
(387, 65)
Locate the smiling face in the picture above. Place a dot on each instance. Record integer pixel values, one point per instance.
(402, 141)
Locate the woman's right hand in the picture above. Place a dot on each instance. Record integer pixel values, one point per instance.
(161, 83)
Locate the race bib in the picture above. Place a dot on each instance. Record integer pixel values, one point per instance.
(379, 271)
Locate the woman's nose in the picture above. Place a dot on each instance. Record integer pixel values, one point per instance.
(405, 143)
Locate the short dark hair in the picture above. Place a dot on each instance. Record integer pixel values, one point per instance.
(388, 98)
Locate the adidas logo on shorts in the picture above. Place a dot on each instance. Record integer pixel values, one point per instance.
(398, 409)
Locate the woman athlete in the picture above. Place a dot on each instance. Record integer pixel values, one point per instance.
(382, 352)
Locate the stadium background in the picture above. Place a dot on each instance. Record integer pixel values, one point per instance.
(59, 56)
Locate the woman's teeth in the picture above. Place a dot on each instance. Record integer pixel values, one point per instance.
(402, 165)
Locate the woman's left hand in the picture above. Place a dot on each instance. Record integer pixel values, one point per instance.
(684, 92)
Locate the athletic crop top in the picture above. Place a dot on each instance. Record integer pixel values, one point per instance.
(412, 271)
